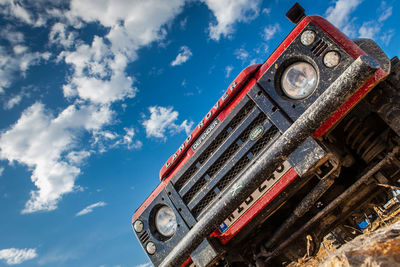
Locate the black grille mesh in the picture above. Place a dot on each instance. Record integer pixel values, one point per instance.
(221, 161)
(215, 144)
(237, 168)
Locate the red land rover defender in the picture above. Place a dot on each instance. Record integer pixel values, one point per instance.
(294, 150)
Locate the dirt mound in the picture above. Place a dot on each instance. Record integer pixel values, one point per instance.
(379, 248)
(379, 245)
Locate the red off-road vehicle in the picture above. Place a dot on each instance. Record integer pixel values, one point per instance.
(294, 150)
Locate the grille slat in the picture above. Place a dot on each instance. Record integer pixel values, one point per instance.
(144, 237)
(319, 47)
(215, 162)
(187, 175)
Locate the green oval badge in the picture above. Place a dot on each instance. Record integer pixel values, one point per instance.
(256, 133)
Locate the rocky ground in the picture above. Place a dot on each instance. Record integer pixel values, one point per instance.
(379, 245)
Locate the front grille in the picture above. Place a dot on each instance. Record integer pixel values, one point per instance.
(221, 161)
(144, 237)
(319, 48)
(243, 113)
(230, 176)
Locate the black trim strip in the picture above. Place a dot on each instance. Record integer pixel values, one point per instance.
(180, 206)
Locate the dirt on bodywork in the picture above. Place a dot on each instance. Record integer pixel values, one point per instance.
(378, 245)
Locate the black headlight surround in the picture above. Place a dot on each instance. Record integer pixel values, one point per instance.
(313, 54)
(150, 233)
(286, 64)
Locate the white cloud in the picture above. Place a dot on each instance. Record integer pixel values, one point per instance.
(57, 256)
(77, 157)
(228, 12)
(11, 35)
(99, 68)
(1, 171)
(182, 57)
(163, 119)
(144, 265)
(59, 35)
(17, 61)
(339, 14)
(369, 30)
(40, 141)
(228, 70)
(32, 13)
(373, 29)
(241, 54)
(270, 31)
(183, 23)
(90, 208)
(15, 9)
(386, 37)
(133, 24)
(267, 11)
(387, 12)
(105, 140)
(13, 102)
(99, 75)
(128, 139)
(47, 143)
(13, 256)
(350, 29)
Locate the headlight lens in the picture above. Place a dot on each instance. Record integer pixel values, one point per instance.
(151, 248)
(165, 221)
(307, 37)
(138, 226)
(331, 59)
(299, 80)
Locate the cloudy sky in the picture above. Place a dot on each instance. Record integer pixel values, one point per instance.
(96, 95)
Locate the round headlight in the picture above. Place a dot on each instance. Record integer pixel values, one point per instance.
(307, 37)
(331, 59)
(138, 226)
(299, 80)
(151, 248)
(165, 221)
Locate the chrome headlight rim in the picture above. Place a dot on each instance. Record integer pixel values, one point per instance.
(165, 227)
(303, 94)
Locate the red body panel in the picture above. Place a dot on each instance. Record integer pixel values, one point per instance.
(187, 262)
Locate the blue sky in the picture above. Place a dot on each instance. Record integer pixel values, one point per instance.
(96, 95)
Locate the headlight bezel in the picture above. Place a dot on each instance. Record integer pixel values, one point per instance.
(300, 67)
(287, 64)
(167, 211)
(154, 228)
(150, 233)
